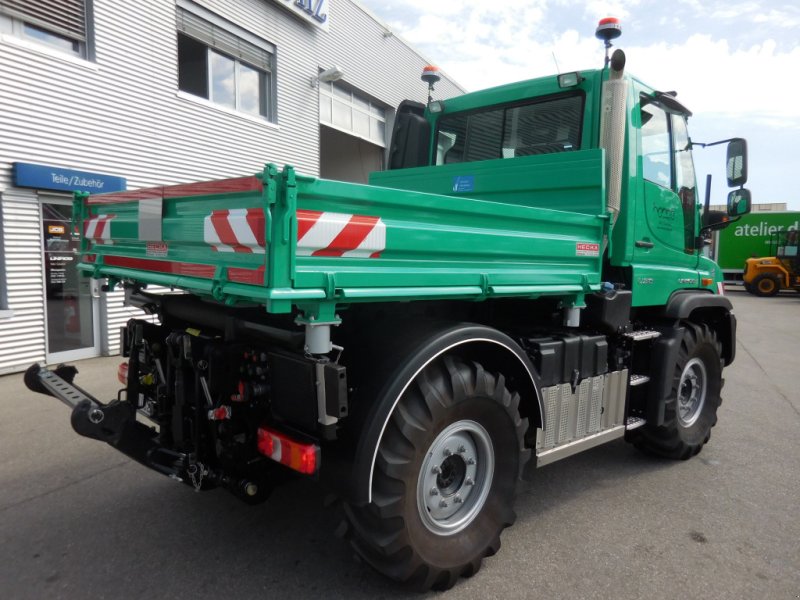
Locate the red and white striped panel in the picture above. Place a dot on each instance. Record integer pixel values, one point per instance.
(338, 234)
(98, 229)
(235, 230)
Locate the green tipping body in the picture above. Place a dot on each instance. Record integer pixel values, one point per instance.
(527, 226)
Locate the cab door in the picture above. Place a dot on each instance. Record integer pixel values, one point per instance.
(665, 257)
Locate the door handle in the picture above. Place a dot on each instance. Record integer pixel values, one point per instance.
(644, 244)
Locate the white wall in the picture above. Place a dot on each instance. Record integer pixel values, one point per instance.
(122, 115)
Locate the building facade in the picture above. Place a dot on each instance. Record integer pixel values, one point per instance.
(100, 95)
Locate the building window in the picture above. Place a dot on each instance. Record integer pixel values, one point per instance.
(59, 24)
(224, 64)
(345, 110)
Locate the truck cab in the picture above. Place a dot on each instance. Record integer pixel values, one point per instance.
(654, 240)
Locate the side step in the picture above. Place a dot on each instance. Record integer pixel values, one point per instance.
(634, 423)
(643, 334)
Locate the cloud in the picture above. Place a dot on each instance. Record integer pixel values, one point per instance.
(483, 44)
(715, 80)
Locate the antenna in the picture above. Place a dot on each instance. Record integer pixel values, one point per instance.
(555, 60)
(608, 29)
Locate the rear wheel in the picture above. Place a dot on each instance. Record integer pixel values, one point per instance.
(691, 410)
(445, 477)
(766, 284)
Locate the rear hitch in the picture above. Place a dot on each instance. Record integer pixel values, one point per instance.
(115, 424)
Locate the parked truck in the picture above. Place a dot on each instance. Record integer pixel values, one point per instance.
(751, 236)
(523, 283)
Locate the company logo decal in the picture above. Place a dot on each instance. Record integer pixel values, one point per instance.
(584, 249)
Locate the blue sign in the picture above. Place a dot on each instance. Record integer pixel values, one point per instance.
(464, 183)
(44, 177)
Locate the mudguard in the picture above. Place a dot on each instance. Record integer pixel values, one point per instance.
(712, 309)
(414, 349)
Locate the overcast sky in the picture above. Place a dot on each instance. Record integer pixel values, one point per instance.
(735, 64)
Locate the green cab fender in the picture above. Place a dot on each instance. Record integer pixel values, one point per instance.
(410, 351)
(705, 307)
(685, 305)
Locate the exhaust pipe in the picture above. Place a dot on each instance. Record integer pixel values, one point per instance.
(612, 129)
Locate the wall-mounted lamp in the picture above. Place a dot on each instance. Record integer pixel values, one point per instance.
(333, 74)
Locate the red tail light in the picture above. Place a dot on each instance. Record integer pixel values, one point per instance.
(303, 458)
(122, 373)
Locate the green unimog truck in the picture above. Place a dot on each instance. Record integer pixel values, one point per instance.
(522, 283)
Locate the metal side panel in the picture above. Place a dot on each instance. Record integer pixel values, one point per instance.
(614, 392)
(577, 421)
(596, 406)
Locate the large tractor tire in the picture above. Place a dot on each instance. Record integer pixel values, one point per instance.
(691, 410)
(766, 284)
(445, 477)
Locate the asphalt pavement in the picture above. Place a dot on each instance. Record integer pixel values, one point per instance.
(79, 520)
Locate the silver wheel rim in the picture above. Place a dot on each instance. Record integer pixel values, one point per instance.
(455, 477)
(692, 392)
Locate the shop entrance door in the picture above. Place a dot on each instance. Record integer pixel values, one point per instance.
(72, 308)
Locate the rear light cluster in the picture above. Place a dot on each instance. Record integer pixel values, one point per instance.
(122, 373)
(303, 458)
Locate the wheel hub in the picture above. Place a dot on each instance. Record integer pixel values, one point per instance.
(455, 477)
(692, 392)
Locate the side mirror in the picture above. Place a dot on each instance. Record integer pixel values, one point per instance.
(739, 202)
(737, 162)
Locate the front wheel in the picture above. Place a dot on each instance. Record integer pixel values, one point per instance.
(691, 410)
(445, 477)
(766, 284)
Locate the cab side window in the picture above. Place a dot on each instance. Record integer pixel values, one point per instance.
(656, 146)
(685, 183)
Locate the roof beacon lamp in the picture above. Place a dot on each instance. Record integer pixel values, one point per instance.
(608, 29)
(430, 75)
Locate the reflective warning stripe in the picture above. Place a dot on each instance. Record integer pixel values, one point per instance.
(339, 234)
(235, 230)
(98, 229)
(318, 233)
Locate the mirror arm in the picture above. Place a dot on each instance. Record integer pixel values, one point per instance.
(708, 144)
(720, 225)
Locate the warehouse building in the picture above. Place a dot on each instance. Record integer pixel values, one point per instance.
(103, 95)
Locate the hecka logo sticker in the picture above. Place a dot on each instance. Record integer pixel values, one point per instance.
(584, 249)
(156, 249)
